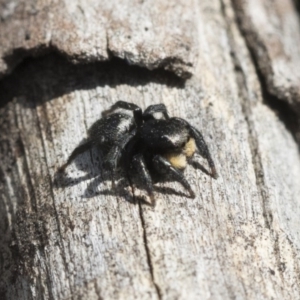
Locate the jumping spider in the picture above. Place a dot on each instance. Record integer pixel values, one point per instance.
(150, 145)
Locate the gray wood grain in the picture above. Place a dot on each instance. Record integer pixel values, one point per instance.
(73, 237)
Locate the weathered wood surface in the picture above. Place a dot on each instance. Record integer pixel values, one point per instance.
(147, 33)
(271, 31)
(74, 238)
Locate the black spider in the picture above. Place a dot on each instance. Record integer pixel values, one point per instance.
(151, 146)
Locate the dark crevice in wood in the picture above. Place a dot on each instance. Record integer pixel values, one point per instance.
(297, 6)
(148, 252)
(288, 114)
(62, 76)
(145, 240)
(284, 111)
(19, 55)
(246, 109)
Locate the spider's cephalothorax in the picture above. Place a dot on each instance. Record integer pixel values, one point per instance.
(149, 145)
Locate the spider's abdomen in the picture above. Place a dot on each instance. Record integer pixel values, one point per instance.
(163, 134)
(108, 130)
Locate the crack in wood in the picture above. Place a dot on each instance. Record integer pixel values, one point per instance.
(23, 80)
(145, 241)
(288, 114)
(148, 254)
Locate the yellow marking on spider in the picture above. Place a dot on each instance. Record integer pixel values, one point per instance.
(177, 160)
(189, 148)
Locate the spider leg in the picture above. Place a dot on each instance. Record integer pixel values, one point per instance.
(137, 111)
(78, 150)
(164, 167)
(203, 150)
(152, 109)
(114, 155)
(140, 165)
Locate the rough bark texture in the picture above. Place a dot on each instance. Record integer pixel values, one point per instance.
(74, 238)
(144, 33)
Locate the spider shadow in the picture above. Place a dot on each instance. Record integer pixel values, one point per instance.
(83, 163)
(121, 188)
(125, 183)
(91, 163)
(100, 177)
(194, 163)
(170, 191)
